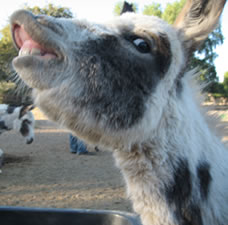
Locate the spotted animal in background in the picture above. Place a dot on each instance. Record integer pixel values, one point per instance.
(18, 118)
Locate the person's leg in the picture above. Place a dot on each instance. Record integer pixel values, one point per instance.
(77, 146)
(73, 144)
(81, 148)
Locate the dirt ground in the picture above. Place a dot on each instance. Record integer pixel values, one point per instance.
(46, 174)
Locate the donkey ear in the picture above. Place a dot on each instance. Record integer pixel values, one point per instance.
(127, 8)
(198, 19)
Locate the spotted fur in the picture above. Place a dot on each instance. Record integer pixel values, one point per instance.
(124, 84)
(17, 118)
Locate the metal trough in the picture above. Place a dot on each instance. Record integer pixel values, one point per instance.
(40, 216)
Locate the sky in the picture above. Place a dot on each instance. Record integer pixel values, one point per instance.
(101, 10)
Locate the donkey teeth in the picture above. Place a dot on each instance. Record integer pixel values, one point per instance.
(33, 51)
(23, 52)
(36, 51)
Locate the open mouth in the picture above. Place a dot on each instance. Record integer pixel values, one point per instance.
(39, 50)
(27, 46)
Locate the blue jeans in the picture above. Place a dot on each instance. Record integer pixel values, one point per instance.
(76, 145)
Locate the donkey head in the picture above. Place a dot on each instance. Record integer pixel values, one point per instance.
(109, 82)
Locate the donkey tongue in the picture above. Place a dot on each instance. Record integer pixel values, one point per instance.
(30, 44)
(23, 39)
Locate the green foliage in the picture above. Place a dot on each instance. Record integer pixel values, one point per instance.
(219, 95)
(118, 8)
(225, 82)
(8, 52)
(169, 14)
(51, 10)
(119, 5)
(205, 56)
(220, 89)
(4, 88)
(153, 9)
(172, 10)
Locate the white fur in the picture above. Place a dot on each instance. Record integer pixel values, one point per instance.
(13, 121)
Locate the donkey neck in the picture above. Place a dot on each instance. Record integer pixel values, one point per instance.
(165, 171)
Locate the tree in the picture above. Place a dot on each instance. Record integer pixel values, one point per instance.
(172, 10)
(153, 9)
(225, 82)
(51, 10)
(205, 56)
(8, 52)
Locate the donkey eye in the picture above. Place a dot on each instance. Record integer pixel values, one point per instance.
(141, 45)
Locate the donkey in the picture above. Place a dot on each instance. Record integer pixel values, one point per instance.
(17, 118)
(125, 85)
